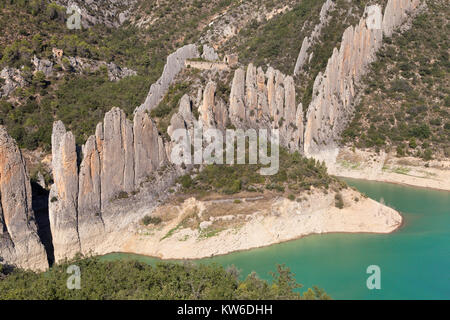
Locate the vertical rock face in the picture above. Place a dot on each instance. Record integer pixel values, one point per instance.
(266, 100)
(147, 147)
(183, 119)
(115, 161)
(395, 13)
(206, 109)
(89, 198)
(298, 131)
(308, 41)
(19, 241)
(63, 205)
(175, 63)
(263, 103)
(117, 173)
(334, 89)
(251, 94)
(290, 112)
(209, 53)
(237, 108)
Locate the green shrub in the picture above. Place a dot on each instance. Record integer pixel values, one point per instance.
(234, 187)
(122, 195)
(186, 181)
(339, 201)
(151, 220)
(427, 154)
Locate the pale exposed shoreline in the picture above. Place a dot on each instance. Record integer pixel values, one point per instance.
(383, 167)
(284, 221)
(263, 246)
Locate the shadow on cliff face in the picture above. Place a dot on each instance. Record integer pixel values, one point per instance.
(40, 208)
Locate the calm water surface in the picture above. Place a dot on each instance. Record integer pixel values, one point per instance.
(414, 261)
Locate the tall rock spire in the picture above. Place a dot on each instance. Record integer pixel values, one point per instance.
(63, 204)
(19, 241)
(334, 89)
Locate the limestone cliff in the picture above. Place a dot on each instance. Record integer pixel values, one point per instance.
(113, 164)
(267, 100)
(175, 63)
(120, 172)
(63, 204)
(334, 89)
(395, 14)
(304, 55)
(19, 241)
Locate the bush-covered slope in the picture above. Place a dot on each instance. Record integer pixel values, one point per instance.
(136, 280)
(296, 175)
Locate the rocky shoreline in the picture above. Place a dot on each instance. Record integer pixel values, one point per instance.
(386, 167)
(273, 221)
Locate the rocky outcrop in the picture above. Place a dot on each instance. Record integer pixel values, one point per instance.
(63, 204)
(110, 13)
(175, 63)
(266, 100)
(90, 220)
(43, 65)
(117, 155)
(148, 147)
(334, 89)
(237, 107)
(395, 14)
(213, 112)
(12, 79)
(209, 53)
(19, 241)
(309, 41)
(115, 73)
(113, 164)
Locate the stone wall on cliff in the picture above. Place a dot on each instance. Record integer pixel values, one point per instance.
(334, 89)
(19, 241)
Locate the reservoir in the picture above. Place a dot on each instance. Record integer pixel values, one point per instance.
(414, 260)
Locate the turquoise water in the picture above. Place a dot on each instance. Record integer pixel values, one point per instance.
(414, 261)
